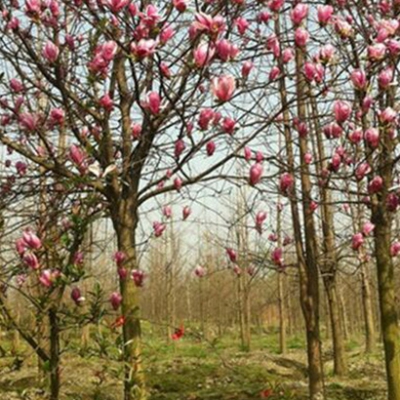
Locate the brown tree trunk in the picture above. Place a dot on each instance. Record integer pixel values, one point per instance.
(282, 315)
(370, 335)
(339, 363)
(54, 355)
(125, 223)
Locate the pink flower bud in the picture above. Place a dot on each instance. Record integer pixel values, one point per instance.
(286, 182)
(356, 136)
(158, 228)
(256, 172)
(368, 228)
(277, 256)
(246, 68)
(167, 211)
(138, 277)
(308, 158)
(119, 258)
(359, 79)
(228, 125)
(376, 185)
(199, 271)
(362, 170)
(260, 218)
(180, 5)
(342, 110)
(274, 73)
(179, 148)
(31, 240)
(395, 249)
(357, 241)
(203, 54)
(242, 25)
(223, 87)
(31, 260)
(371, 136)
(231, 254)
(324, 14)
(76, 296)
(210, 148)
(178, 183)
(287, 55)
(388, 115)
(152, 103)
(298, 13)
(115, 300)
(385, 78)
(301, 37)
(247, 153)
(50, 52)
(106, 102)
(186, 212)
(376, 52)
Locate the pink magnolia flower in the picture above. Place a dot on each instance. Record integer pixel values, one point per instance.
(166, 34)
(388, 115)
(247, 153)
(231, 254)
(342, 110)
(376, 185)
(208, 24)
(180, 146)
(357, 241)
(385, 77)
(326, 53)
(260, 218)
(371, 136)
(274, 73)
(259, 157)
(115, 300)
(368, 228)
(324, 14)
(178, 183)
(138, 277)
(223, 87)
(200, 271)
(226, 50)
(117, 5)
(16, 85)
(57, 116)
(21, 168)
(205, 117)
(210, 148)
(186, 212)
(246, 68)
(31, 260)
(28, 121)
(276, 5)
(20, 246)
(242, 25)
(50, 52)
(395, 249)
(48, 277)
(158, 228)
(167, 211)
(286, 182)
(256, 172)
(106, 102)
(392, 202)
(78, 157)
(31, 240)
(376, 52)
(152, 103)
(203, 54)
(343, 28)
(308, 158)
(263, 17)
(119, 257)
(228, 125)
(122, 273)
(136, 130)
(359, 79)
(298, 13)
(393, 46)
(76, 296)
(277, 256)
(301, 37)
(144, 48)
(180, 5)
(362, 170)
(287, 55)
(356, 136)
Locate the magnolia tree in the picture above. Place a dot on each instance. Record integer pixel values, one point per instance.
(128, 100)
(340, 140)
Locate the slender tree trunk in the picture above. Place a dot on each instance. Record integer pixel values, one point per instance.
(340, 367)
(370, 334)
(54, 355)
(125, 223)
(282, 315)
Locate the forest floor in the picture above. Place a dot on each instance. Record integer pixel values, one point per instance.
(191, 369)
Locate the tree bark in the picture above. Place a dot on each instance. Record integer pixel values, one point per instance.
(125, 223)
(54, 355)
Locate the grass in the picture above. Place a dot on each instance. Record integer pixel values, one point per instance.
(191, 369)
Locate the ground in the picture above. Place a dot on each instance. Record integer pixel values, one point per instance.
(193, 369)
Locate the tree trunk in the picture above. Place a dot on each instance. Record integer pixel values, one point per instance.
(387, 300)
(125, 223)
(54, 355)
(282, 315)
(339, 354)
(370, 342)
